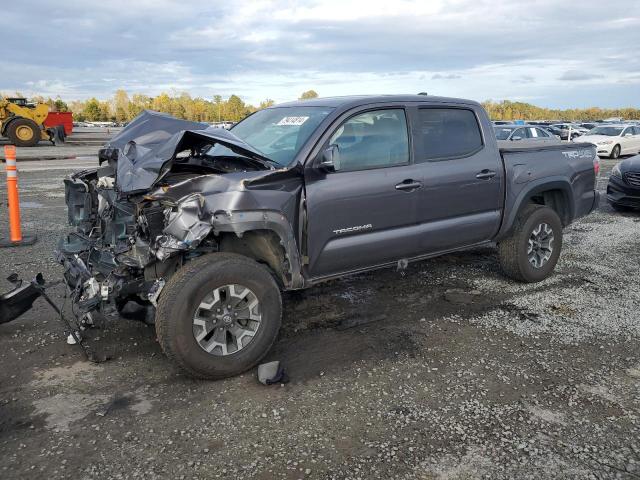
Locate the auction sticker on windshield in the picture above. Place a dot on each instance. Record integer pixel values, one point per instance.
(292, 121)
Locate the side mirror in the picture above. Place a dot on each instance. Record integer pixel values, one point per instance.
(516, 138)
(628, 134)
(330, 159)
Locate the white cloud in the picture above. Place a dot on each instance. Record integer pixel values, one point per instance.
(472, 48)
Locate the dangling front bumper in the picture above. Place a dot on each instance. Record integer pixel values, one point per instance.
(17, 301)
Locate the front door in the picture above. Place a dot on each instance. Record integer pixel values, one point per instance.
(362, 213)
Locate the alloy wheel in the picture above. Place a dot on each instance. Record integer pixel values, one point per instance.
(540, 245)
(227, 320)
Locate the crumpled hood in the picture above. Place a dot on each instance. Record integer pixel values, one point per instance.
(145, 148)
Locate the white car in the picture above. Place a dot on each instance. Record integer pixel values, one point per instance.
(613, 140)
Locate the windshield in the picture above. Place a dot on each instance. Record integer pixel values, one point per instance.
(503, 133)
(278, 133)
(608, 131)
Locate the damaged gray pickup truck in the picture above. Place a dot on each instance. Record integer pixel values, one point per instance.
(206, 227)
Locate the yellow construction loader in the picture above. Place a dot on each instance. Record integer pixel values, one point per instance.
(23, 123)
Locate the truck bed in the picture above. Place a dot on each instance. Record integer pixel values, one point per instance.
(568, 168)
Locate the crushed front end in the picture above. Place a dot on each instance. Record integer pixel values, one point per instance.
(153, 205)
(119, 251)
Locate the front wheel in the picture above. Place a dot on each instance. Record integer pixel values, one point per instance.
(531, 251)
(615, 153)
(23, 132)
(219, 315)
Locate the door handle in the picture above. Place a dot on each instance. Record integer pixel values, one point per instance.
(408, 185)
(485, 174)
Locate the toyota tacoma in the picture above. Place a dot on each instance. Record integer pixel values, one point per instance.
(205, 227)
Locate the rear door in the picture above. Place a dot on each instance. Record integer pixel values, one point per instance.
(627, 141)
(363, 213)
(461, 200)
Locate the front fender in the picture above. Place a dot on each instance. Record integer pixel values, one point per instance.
(246, 221)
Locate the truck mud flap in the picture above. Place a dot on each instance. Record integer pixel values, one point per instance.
(17, 301)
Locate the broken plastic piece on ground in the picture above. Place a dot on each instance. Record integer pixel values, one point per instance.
(87, 320)
(71, 339)
(271, 373)
(17, 301)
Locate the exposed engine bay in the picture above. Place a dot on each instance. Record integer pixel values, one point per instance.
(165, 193)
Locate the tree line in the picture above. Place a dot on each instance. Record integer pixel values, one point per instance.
(123, 107)
(506, 110)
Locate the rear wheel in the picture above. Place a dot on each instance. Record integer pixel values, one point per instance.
(23, 132)
(219, 315)
(615, 153)
(531, 252)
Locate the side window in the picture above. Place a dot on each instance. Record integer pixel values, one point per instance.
(542, 133)
(372, 140)
(447, 133)
(533, 132)
(636, 130)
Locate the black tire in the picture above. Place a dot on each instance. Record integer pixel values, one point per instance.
(23, 124)
(512, 251)
(615, 152)
(620, 208)
(184, 292)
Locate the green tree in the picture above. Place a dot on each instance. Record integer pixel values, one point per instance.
(60, 106)
(266, 103)
(217, 100)
(308, 95)
(236, 109)
(92, 111)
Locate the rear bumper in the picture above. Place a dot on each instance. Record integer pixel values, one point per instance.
(621, 193)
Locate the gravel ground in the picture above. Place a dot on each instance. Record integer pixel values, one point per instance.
(444, 371)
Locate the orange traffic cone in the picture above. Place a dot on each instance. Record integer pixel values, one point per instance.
(16, 238)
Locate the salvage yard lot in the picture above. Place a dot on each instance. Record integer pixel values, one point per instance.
(447, 370)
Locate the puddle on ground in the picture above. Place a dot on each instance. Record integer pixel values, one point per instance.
(77, 373)
(63, 409)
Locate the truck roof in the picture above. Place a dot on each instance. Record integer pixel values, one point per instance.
(357, 100)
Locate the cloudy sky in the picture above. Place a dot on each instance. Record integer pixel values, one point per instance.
(548, 52)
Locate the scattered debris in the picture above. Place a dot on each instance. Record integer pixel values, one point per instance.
(271, 373)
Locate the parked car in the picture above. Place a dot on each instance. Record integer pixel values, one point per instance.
(209, 226)
(623, 189)
(520, 132)
(565, 128)
(614, 140)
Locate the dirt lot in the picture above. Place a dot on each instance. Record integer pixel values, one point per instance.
(446, 371)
